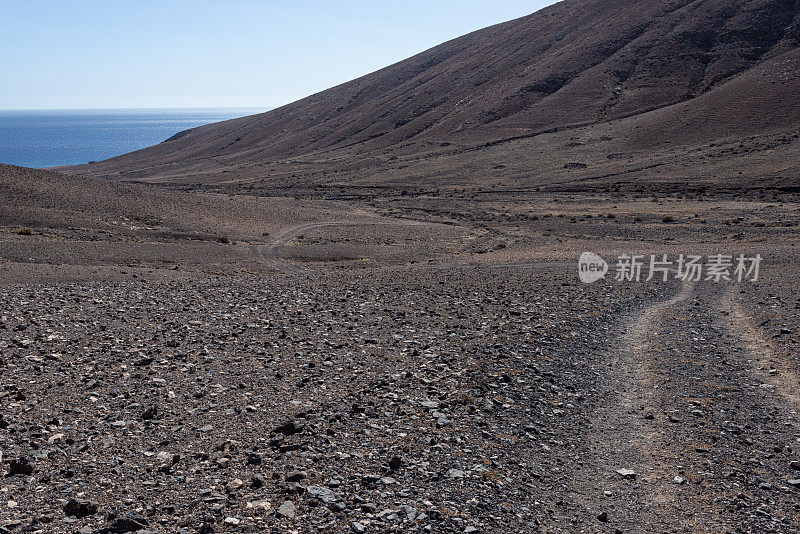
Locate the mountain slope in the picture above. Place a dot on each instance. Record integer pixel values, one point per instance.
(577, 64)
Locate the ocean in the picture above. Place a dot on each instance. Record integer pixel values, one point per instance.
(48, 138)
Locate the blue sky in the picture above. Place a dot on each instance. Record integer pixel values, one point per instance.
(176, 53)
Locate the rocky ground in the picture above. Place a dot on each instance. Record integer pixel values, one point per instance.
(421, 366)
(447, 402)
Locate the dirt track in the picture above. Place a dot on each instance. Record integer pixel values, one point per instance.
(271, 253)
(695, 403)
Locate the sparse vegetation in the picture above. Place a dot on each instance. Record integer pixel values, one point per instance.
(224, 240)
(25, 231)
(668, 219)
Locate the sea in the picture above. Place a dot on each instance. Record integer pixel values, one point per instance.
(49, 138)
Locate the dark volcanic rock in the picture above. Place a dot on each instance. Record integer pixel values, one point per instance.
(290, 428)
(130, 522)
(20, 466)
(80, 508)
(150, 413)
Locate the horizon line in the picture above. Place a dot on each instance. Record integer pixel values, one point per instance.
(153, 108)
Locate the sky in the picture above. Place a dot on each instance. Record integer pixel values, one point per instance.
(236, 53)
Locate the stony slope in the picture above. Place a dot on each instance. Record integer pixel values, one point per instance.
(705, 70)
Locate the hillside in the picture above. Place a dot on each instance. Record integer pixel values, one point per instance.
(631, 85)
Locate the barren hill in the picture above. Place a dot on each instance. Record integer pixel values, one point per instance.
(585, 93)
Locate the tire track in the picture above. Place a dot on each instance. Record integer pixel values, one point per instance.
(672, 356)
(771, 365)
(270, 253)
(627, 435)
(642, 399)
